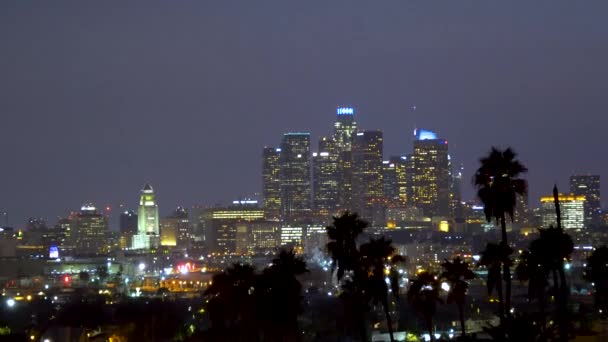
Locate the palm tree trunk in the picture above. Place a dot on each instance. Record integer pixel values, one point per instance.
(563, 304)
(505, 268)
(501, 303)
(429, 327)
(462, 325)
(389, 323)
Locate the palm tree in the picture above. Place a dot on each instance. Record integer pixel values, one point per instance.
(423, 294)
(342, 245)
(493, 257)
(279, 296)
(551, 249)
(375, 257)
(233, 289)
(529, 269)
(595, 273)
(498, 187)
(342, 248)
(456, 273)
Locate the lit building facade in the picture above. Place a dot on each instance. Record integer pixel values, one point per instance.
(175, 229)
(588, 186)
(344, 130)
(295, 185)
(394, 179)
(430, 174)
(271, 182)
(367, 185)
(222, 226)
(148, 224)
(325, 178)
(572, 208)
(89, 231)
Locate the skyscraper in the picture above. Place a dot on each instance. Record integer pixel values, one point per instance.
(588, 186)
(128, 222)
(368, 191)
(395, 180)
(175, 229)
(325, 178)
(344, 130)
(295, 185)
(430, 174)
(271, 182)
(572, 209)
(89, 232)
(148, 231)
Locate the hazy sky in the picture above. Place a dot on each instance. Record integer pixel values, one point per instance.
(97, 98)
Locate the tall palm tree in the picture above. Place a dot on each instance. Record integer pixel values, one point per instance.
(498, 184)
(342, 248)
(376, 257)
(233, 288)
(595, 273)
(279, 296)
(456, 273)
(342, 245)
(423, 294)
(529, 269)
(493, 257)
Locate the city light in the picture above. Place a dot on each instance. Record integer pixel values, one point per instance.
(141, 266)
(10, 302)
(445, 287)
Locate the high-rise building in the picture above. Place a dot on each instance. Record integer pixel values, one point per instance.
(226, 226)
(175, 229)
(394, 178)
(325, 178)
(368, 191)
(456, 206)
(271, 182)
(588, 186)
(572, 208)
(89, 231)
(128, 222)
(344, 130)
(295, 177)
(148, 229)
(430, 174)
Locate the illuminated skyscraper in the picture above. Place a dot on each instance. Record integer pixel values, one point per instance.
(175, 229)
(89, 231)
(148, 230)
(368, 191)
(588, 186)
(295, 177)
(430, 174)
(572, 209)
(395, 180)
(344, 130)
(271, 182)
(325, 178)
(229, 227)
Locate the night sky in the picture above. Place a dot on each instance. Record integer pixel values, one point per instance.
(98, 98)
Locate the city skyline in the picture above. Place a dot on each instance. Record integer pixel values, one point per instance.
(98, 115)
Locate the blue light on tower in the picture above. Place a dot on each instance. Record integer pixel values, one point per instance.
(345, 111)
(422, 134)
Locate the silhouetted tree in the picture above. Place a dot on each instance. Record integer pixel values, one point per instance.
(529, 269)
(376, 257)
(596, 272)
(84, 276)
(493, 257)
(102, 272)
(423, 295)
(342, 248)
(498, 187)
(456, 273)
(279, 296)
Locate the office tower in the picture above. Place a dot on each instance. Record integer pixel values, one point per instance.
(456, 207)
(588, 186)
(128, 222)
(148, 229)
(394, 180)
(36, 223)
(175, 229)
(222, 225)
(325, 178)
(572, 208)
(271, 182)
(89, 231)
(367, 174)
(295, 185)
(263, 236)
(344, 130)
(430, 174)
